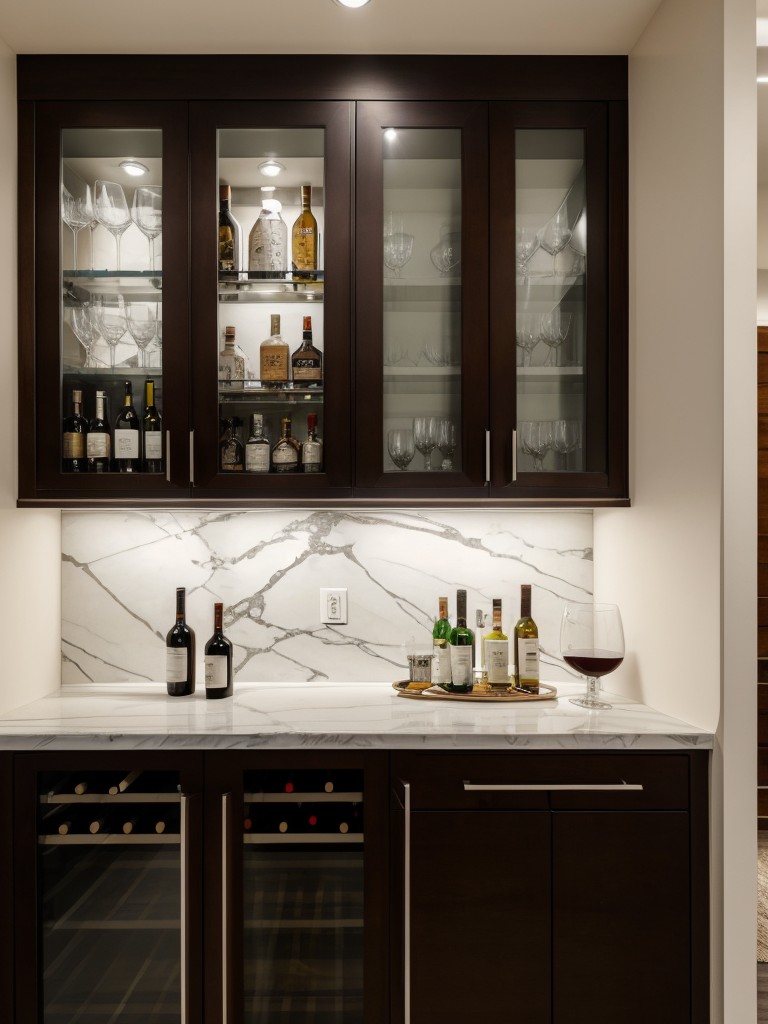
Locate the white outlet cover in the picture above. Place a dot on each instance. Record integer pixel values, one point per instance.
(333, 605)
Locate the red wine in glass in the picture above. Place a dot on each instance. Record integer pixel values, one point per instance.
(594, 662)
(592, 642)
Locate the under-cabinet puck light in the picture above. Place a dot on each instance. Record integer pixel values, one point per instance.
(134, 167)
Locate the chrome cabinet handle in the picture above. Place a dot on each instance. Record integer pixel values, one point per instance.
(554, 787)
(514, 455)
(407, 906)
(192, 457)
(487, 456)
(184, 903)
(168, 456)
(226, 800)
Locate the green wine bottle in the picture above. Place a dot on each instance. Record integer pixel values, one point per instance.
(526, 645)
(441, 632)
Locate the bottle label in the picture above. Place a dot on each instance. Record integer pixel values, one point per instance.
(310, 453)
(175, 664)
(153, 444)
(257, 458)
(306, 370)
(215, 671)
(285, 455)
(74, 445)
(231, 366)
(497, 661)
(97, 446)
(126, 444)
(443, 664)
(274, 362)
(461, 665)
(528, 654)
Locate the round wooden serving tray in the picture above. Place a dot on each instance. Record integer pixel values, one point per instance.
(546, 692)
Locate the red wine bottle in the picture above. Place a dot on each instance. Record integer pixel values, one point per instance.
(218, 659)
(180, 653)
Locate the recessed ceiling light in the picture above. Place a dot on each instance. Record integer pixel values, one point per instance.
(352, 3)
(271, 168)
(390, 134)
(134, 167)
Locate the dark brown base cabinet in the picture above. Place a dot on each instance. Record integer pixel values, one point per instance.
(356, 887)
(541, 887)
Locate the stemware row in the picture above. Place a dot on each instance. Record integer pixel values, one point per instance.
(552, 328)
(111, 320)
(108, 206)
(428, 433)
(537, 437)
(553, 238)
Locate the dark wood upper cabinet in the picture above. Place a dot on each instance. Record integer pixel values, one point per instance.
(469, 298)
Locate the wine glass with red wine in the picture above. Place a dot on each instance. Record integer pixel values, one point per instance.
(592, 642)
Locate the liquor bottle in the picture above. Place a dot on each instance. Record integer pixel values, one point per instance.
(274, 357)
(268, 240)
(231, 454)
(495, 654)
(462, 649)
(151, 432)
(307, 361)
(127, 435)
(98, 447)
(304, 238)
(285, 453)
(180, 653)
(218, 659)
(526, 645)
(74, 438)
(233, 362)
(312, 449)
(229, 234)
(441, 631)
(257, 447)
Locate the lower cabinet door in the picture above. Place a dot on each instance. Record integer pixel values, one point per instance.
(621, 941)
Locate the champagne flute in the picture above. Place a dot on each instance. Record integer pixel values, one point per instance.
(147, 214)
(401, 447)
(142, 326)
(592, 642)
(425, 438)
(111, 210)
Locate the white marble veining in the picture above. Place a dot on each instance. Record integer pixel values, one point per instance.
(330, 715)
(120, 571)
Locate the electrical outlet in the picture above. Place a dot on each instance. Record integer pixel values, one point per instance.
(333, 605)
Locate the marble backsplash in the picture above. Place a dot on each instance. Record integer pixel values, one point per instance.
(120, 571)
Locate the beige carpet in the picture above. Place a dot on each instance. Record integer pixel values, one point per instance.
(762, 899)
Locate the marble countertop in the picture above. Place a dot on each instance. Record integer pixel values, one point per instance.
(330, 715)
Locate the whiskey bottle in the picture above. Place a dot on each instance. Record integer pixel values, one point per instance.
(151, 432)
(257, 447)
(307, 361)
(74, 438)
(268, 240)
(127, 434)
(304, 239)
(233, 364)
(312, 449)
(273, 357)
(526, 645)
(285, 454)
(231, 456)
(98, 447)
(229, 234)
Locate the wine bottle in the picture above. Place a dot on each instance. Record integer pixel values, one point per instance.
(526, 645)
(304, 238)
(312, 449)
(73, 456)
(218, 658)
(441, 631)
(274, 357)
(130, 825)
(127, 435)
(285, 453)
(307, 361)
(125, 783)
(231, 453)
(151, 431)
(97, 825)
(180, 653)
(268, 240)
(233, 364)
(98, 447)
(462, 649)
(495, 657)
(257, 447)
(229, 234)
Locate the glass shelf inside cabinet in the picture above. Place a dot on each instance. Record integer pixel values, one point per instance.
(264, 286)
(237, 391)
(135, 285)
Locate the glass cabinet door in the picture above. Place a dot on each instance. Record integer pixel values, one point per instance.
(117, 267)
(421, 302)
(273, 346)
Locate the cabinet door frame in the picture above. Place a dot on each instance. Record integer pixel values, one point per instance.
(189, 765)
(370, 479)
(40, 388)
(335, 117)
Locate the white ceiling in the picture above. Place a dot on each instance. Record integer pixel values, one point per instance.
(320, 26)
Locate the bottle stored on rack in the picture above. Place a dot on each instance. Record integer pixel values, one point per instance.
(151, 431)
(257, 447)
(312, 449)
(98, 445)
(274, 357)
(229, 234)
(268, 240)
(441, 631)
(462, 649)
(285, 453)
(233, 363)
(307, 361)
(75, 433)
(123, 783)
(304, 238)
(526, 645)
(496, 650)
(218, 659)
(231, 453)
(127, 435)
(180, 652)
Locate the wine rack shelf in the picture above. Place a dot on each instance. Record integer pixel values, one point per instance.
(303, 838)
(303, 798)
(112, 839)
(110, 798)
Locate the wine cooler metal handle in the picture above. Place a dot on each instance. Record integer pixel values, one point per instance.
(407, 905)
(514, 455)
(168, 456)
(487, 456)
(553, 787)
(192, 457)
(185, 896)
(226, 801)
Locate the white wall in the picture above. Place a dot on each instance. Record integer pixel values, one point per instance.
(29, 540)
(681, 561)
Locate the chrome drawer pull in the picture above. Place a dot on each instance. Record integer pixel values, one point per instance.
(554, 787)
(185, 897)
(226, 800)
(407, 907)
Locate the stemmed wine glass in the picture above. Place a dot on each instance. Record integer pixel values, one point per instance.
(398, 244)
(142, 326)
(554, 330)
(111, 210)
(85, 330)
(527, 334)
(592, 642)
(536, 440)
(446, 442)
(147, 214)
(76, 216)
(555, 235)
(425, 438)
(527, 242)
(112, 322)
(566, 437)
(401, 447)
